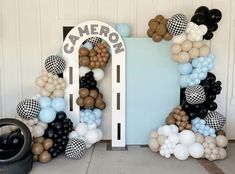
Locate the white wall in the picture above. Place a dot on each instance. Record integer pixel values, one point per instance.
(30, 30)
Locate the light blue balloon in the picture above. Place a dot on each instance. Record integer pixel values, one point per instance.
(200, 131)
(211, 130)
(204, 69)
(195, 120)
(92, 116)
(207, 127)
(44, 102)
(185, 68)
(123, 29)
(203, 122)
(206, 133)
(194, 129)
(197, 125)
(88, 45)
(86, 119)
(98, 122)
(98, 113)
(196, 81)
(202, 127)
(210, 66)
(213, 135)
(183, 81)
(59, 104)
(47, 115)
(191, 83)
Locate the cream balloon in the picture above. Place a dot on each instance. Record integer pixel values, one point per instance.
(175, 49)
(204, 51)
(222, 153)
(43, 92)
(193, 53)
(50, 87)
(40, 82)
(183, 57)
(197, 44)
(221, 141)
(153, 144)
(98, 74)
(83, 70)
(153, 134)
(58, 93)
(161, 139)
(186, 45)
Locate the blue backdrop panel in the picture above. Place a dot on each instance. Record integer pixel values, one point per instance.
(152, 88)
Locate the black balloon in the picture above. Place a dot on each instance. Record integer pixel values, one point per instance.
(88, 81)
(59, 131)
(208, 36)
(199, 18)
(214, 16)
(202, 9)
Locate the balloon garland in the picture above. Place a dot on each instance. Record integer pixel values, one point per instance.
(194, 128)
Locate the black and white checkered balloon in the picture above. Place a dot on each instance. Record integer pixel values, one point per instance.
(75, 148)
(55, 64)
(177, 24)
(195, 94)
(94, 40)
(215, 120)
(28, 109)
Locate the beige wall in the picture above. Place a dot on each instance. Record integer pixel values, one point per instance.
(30, 30)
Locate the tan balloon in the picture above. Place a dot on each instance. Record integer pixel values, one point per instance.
(186, 45)
(210, 139)
(153, 134)
(221, 141)
(167, 36)
(83, 51)
(149, 33)
(199, 138)
(43, 92)
(197, 44)
(183, 57)
(170, 120)
(194, 52)
(161, 139)
(161, 29)
(204, 51)
(58, 93)
(50, 87)
(39, 139)
(175, 49)
(222, 153)
(40, 82)
(37, 148)
(175, 57)
(47, 143)
(153, 144)
(45, 157)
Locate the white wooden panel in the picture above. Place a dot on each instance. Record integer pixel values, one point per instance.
(220, 46)
(126, 11)
(29, 35)
(10, 58)
(2, 102)
(51, 34)
(142, 20)
(166, 7)
(198, 3)
(67, 9)
(185, 7)
(106, 11)
(87, 10)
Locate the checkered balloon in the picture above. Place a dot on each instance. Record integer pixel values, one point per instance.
(177, 24)
(28, 109)
(195, 94)
(75, 148)
(94, 40)
(215, 120)
(55, 64)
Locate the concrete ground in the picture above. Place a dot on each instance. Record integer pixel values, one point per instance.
(137, 160)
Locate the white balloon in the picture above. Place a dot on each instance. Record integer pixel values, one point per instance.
(196, 150)
(187, 137)
(100, 133)
(166, 130)
(73, 134)
(203, 28)
(181, 152)
(38, 131)
(81, 129)
(88, 145)
(173, 138)
(44, 125)
(92, 126)
(83, 70)
(92, 136)
(160, 131)
(98, 74)
(174, 129)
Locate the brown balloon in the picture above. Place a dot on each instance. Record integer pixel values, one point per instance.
(153, 26)
(159, 18)
(39, 139)
(89, 102)
(156, 37)
(37, 148)
(80, 101)
(83, 51)
(94, 93)
(161, 29)
(83, 92)
(47, 143)
(170, 120)
(92, 53)
(149, 33)
(84, 61)
(35, 157)
(45, 157)
(167, 36)
(220, 132)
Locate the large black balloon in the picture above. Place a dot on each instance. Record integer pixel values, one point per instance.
(199, 18)
(214, 16)
(208, 36)
(202, 9)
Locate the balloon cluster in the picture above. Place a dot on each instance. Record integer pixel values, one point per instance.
(158, 29)
(40, 149)
(58, 131)
(49, 107)
(94, 58)
(179, 118)
(36, 127)
(50, 85)
(192, 73)
(90, 99)
(88, 81)
(86, 132)
(210, 18)
(200, 126)
(211, 88)
(91, 116)
(188, 50)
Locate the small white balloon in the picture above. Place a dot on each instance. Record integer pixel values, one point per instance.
(81, 129)
(174, 128)
(44, 125)
(98, 74)
(73, 134)
(196, 150)
(92, 136)
(166, 130)
(83, 70)
(181, 152)
(187, 137)
(100, 133)
(92, 126)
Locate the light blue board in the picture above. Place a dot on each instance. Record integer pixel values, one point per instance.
(152, 88)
